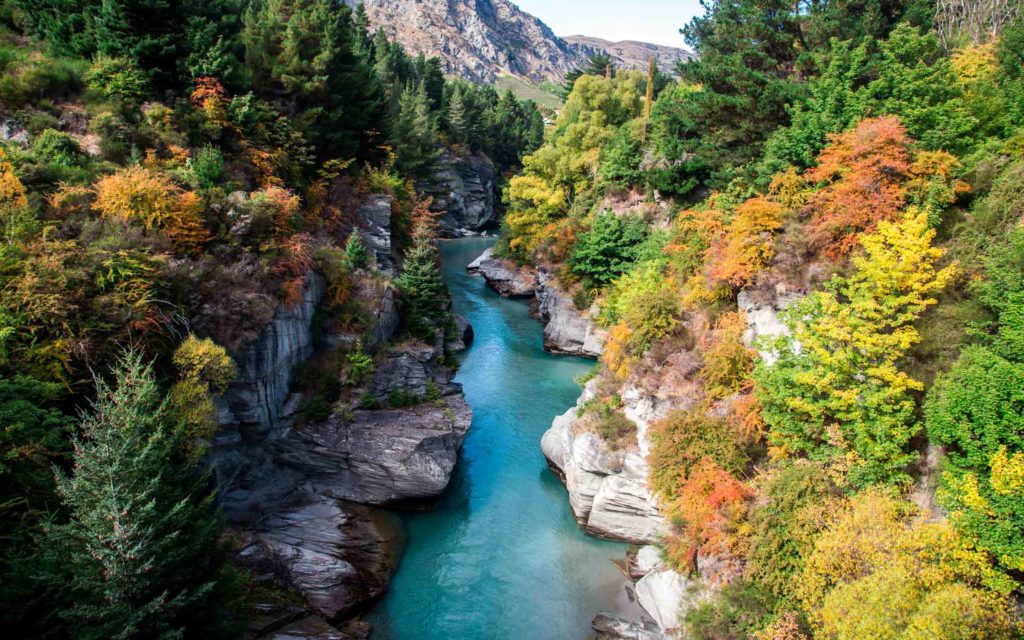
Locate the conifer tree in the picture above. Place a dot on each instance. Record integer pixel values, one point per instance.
(355, 251)
(139, 556)
(424, 296)
(458, 117)
(415, 132)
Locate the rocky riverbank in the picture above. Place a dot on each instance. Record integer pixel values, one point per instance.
(567, 330)
(299, 494)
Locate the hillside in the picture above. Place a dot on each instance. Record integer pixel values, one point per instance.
(630, 54)
(482, 40)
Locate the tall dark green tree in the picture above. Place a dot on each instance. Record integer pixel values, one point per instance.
(139, 556)
(424, 296)
(303, 56)
(415, 134)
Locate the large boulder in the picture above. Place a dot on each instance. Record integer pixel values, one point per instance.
(410, 368)
(381, 456)
(505, 277)
(761, 309)
(339, 558)
(462, 191)
(566, 329)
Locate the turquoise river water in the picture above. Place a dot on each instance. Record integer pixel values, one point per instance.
(501, 555)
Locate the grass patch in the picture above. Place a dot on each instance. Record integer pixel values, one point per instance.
(525, 90)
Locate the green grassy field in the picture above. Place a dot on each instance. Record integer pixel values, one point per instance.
(525, 90)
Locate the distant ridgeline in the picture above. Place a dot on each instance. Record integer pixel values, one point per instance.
(807, 253)
(178, 180)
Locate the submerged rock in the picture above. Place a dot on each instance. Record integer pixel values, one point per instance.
(566, 329)
(508, 279)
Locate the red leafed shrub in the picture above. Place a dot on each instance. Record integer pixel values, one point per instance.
(708, 503)
(863, 171)
(297, 259)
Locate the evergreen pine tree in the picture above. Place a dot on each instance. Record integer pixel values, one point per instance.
(459, 125)
(140, 555)
(355, 251)
(424, 296)
(415, 132)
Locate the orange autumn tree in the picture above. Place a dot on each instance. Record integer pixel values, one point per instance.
(143, 196)
(707, 505)
(13, 201)
(862, 171)
(868, 175)
(747, 244)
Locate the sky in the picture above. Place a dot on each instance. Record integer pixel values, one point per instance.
(656, 21)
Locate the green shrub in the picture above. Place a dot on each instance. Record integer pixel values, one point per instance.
(608, 249)
(682, 439)
(360, 366)
(115, 135)
(795, 500)
(367, 401)
(734, 613)
(207, 167)
(433, 392)
(614, 428)
(117, 79)
(399, 397)
(32, 77)
(57, 148)
(355, 251)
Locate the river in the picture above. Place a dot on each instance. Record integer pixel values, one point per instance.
(501, 555)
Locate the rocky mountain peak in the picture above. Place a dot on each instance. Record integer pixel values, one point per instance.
(483, 39)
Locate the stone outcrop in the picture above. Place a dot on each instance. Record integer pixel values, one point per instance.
(762, 310)
(462, 191)
(508, 279)
(380, 456)
(265, 365)
(337, 557)
(566, 329)
(463, 335)
(373, 219)
(607, 489)
(289, 492)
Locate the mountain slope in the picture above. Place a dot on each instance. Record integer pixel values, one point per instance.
(484, 39)
(631, 54)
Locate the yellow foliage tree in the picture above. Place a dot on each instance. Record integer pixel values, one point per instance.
(747, 243)
(837, 390)
(144, 196)
(13, 202)
(876, 574)
(204, 369)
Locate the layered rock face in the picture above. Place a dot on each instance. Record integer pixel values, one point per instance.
(508, 279)
(265, 365)
(383, 456)
(289, 491)
(607, 488)
(373, 219)
(462, 189)
(664, 595)
(566, 329)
